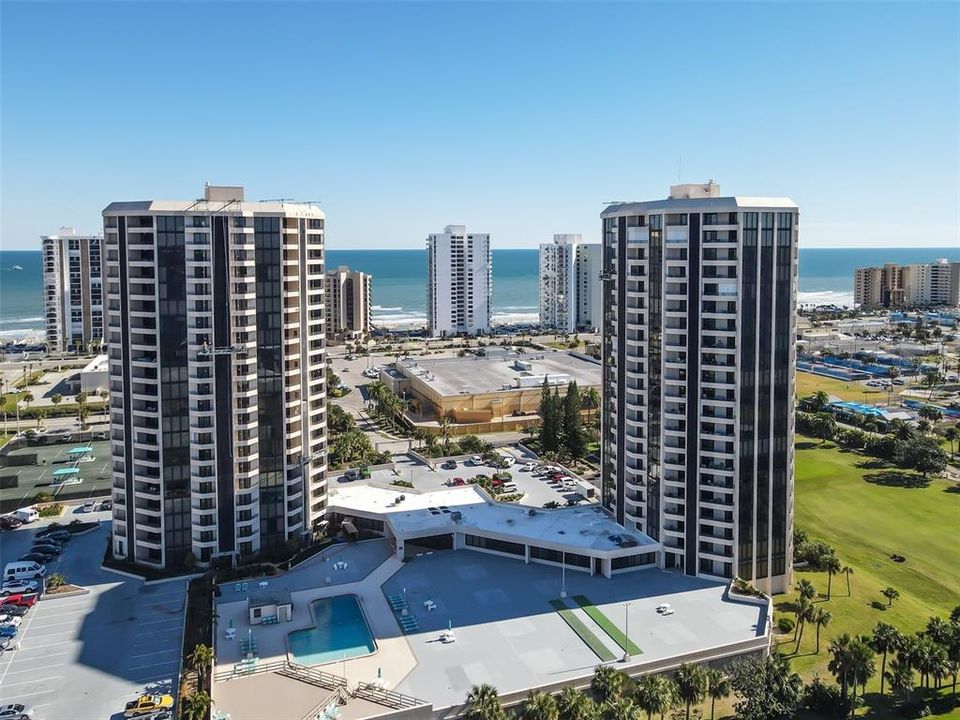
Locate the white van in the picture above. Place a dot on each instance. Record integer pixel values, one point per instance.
(26, 515)
(23, 570)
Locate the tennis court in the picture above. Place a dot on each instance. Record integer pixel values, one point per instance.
(67, 471)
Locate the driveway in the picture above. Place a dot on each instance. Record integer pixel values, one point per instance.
(85, 656)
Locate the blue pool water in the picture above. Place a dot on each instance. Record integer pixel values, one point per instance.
(340, 632)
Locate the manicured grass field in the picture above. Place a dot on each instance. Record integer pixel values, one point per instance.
(869, 510)
(808, 384)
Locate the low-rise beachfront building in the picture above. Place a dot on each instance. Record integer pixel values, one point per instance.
(495, 392)
(579, 538)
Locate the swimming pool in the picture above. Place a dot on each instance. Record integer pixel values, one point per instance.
(340, 632)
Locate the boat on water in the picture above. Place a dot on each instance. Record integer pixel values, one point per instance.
(17, 267)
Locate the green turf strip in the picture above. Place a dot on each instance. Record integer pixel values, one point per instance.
(582, 631)
(608, 627)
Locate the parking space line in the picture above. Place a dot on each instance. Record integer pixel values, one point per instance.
(162, 620)
(35, 680)
(155, 652)
(65, 609)
(31, 694)
(14, 672)
(38, 647)
(150, 665)
(57, 624)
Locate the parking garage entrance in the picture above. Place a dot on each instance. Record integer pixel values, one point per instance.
(416, 546)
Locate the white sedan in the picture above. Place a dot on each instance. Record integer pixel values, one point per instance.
(18, 587)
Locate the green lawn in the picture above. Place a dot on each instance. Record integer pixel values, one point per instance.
(868, 510)
(808, 384)
(582, 631)
(615, 633)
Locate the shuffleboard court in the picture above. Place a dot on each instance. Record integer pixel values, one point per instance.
(58, 470)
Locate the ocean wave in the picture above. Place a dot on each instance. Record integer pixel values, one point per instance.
(499, 318)
(21, 321)
(374, 308)
(825, 297)
(515, 308)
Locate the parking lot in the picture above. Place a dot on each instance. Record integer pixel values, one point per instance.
(19, 484)
(85, 656)
(537, 490)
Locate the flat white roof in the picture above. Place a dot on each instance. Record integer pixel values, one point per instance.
(575, 528)
(472, 375)
(704, 204)
(98, 364)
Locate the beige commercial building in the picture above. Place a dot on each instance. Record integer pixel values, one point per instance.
(347, 303)
(499, 391)
(899, 286)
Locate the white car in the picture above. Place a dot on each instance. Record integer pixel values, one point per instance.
(477, 460)
(509, 460)
(664, 608)
(12, 621)
(17, 587)
(16, 711)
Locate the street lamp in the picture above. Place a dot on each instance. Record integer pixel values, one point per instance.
(563, 574)
(626, 632)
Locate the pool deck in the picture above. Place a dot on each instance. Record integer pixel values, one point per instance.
(370, 564)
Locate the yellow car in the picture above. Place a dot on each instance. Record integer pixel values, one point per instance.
(148, 704)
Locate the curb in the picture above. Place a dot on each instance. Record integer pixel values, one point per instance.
(71, 593)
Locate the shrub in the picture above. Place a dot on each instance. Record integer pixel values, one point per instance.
(402, 483)
(785, 624)
(42, 497)
(51, 510)
(55, 581)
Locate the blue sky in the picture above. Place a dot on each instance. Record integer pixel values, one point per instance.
(515, 119)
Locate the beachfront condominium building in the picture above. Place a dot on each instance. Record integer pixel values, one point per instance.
(348, 303)
(72, 289)
(215, 334)
(698, 356)
(459, 282)
(916, 285)
(570, 288)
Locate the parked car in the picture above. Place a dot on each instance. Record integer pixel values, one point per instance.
(55, 533)
(19, 587)
(364, 472)
(26, 515)
(9, 522)
(46, 548)
(28, 570)
(449, 465)
(14, 620)
(16, 711)
(106, 505)
(477, 460)
(146, 704)
(89, 506)
(18, 600)
(8, 631)
(14, 610)
(351, 474)
(458, 481)
(161, 715)
(37, 557)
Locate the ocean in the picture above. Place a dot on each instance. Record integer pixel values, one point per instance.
(399, 282)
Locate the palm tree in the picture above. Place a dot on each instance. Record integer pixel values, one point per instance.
(848, 571)
(839, 663)
(104, 405)
(900, 677)
(607, 683)
(890, 594)
(572, 704)
(590, 399)
(622, 709)
(819, 401)
(805, 613)
(862, 665)
(884, 639)
(196, 705)
(831, 563)
(56, 399)
(806, 589)
(718, 687)
(27, 398)
(483, 703)
(41, 416)
(822, 617)
(445, 432)
(937, 630)
(654, 694)
(200, 660)
(691, 680)
(952, 435)
(539, 706)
